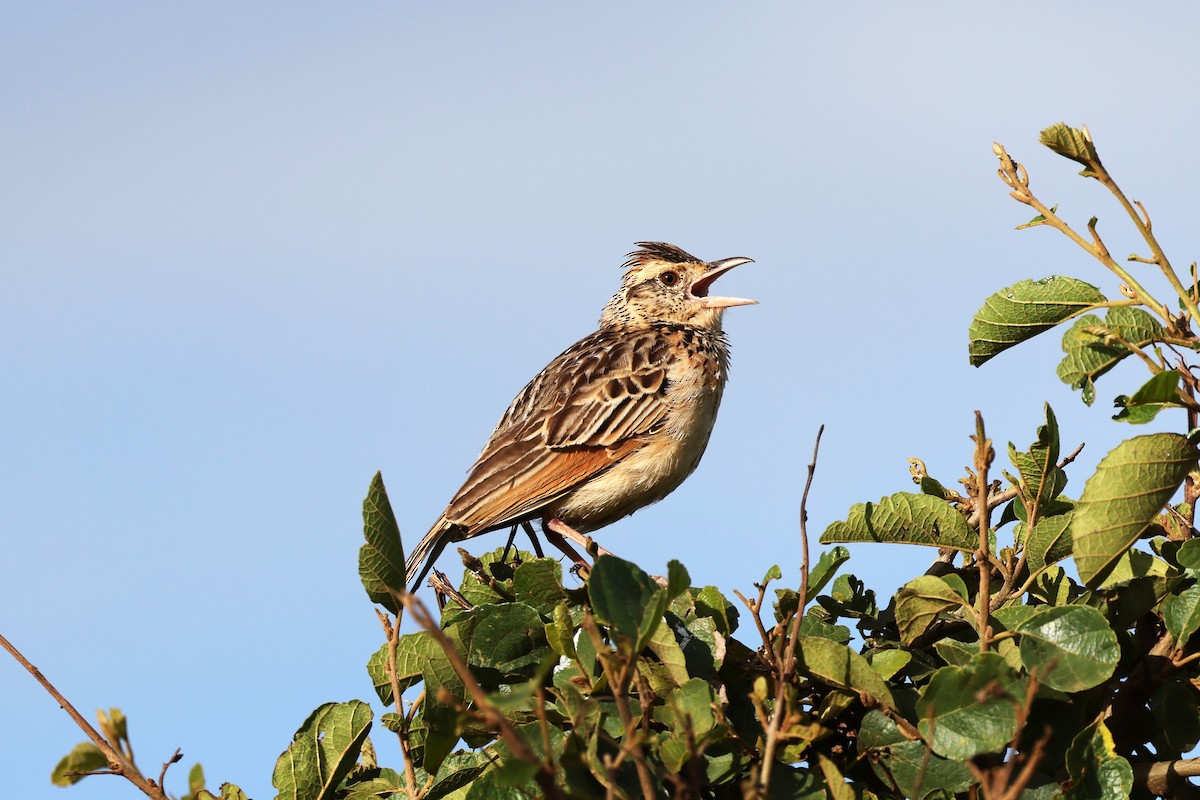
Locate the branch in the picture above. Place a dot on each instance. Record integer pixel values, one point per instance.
(983, 459)
(786, 666)
(117, 765)
(1162, 778)
(519, 747)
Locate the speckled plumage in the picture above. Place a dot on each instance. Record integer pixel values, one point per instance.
(614, 423)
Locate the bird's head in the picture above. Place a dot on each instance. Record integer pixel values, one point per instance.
(665, 284)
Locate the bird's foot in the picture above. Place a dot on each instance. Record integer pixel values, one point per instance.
(558, 533)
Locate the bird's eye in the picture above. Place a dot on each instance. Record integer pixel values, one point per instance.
(669, 278)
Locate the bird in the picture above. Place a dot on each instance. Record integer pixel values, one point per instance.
(614, 423)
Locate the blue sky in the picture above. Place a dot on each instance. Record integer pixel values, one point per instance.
(249, 255)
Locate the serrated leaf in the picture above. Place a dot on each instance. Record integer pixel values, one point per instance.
(1092, 348)
(888, 662)
(841, 667)
(1161, 391)
(1072, 647)
(969, 710)
(904, 518)
(538, 583)
(1071, 143)
(508, 638)
(666, 647)
(825, 568)
(1097, 771)
(918, 604)
(411, 650)
(84, 757)
(1023, 310)
(322, 752)
(1130, 487)
(907, 764)
(1049, 541)
(1041, 479)
(626, 598)
(1181, 613)
(381, 559)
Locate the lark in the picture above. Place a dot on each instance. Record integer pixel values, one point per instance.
(613, 424)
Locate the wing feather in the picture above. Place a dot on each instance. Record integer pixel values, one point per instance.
(590, 407)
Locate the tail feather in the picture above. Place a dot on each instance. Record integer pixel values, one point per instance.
(420, 560)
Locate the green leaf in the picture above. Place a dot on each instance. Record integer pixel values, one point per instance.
(457, 771)
(1024, 310)
(322, 752)
(1072, 647)
(692, 701)
(1093, 345)
(1041, 479)
(825, 568)
(560, 633)
(1096, 771)
(195, 782)
(904, 518)
(1049, 541)
(1181, 613)
(1040, 219)
(538, 583)
(381, 559)
(1128, 490)
(664, 645)
(966, 711)
(1188, 557)
(711, 603)
(1173, 707)
(841, 667)
(411, 650)
(229, 791)
(906, 763)
(678, 580)
(1161, 391)
(888, 662)
(626, 598)
(918, 604)
(1072, 143)
(84, 757)
(508, 638)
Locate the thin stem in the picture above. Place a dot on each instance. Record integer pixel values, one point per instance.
(983, 459)
(117, 764)
(1014, 175)
(1156, 251)
(392, 633)
(785, 664)
(519, 747)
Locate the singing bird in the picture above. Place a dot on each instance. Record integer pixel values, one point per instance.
(615, 423)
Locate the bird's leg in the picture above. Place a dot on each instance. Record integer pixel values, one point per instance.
(537, 546)
(551, 527)
(512, 534)
(567, 532)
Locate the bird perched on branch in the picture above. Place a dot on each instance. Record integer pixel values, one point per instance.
(613, 424)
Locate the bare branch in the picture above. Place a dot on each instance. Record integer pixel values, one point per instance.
(116, 762)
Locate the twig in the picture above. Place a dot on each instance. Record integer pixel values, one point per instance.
(441, 584)
(175, 757)
(392, 634)
(484, 707)
(786, 666)
(117, 765)
(1014, 175)
(983, 459)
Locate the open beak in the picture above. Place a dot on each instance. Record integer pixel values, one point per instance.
(699, 289)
